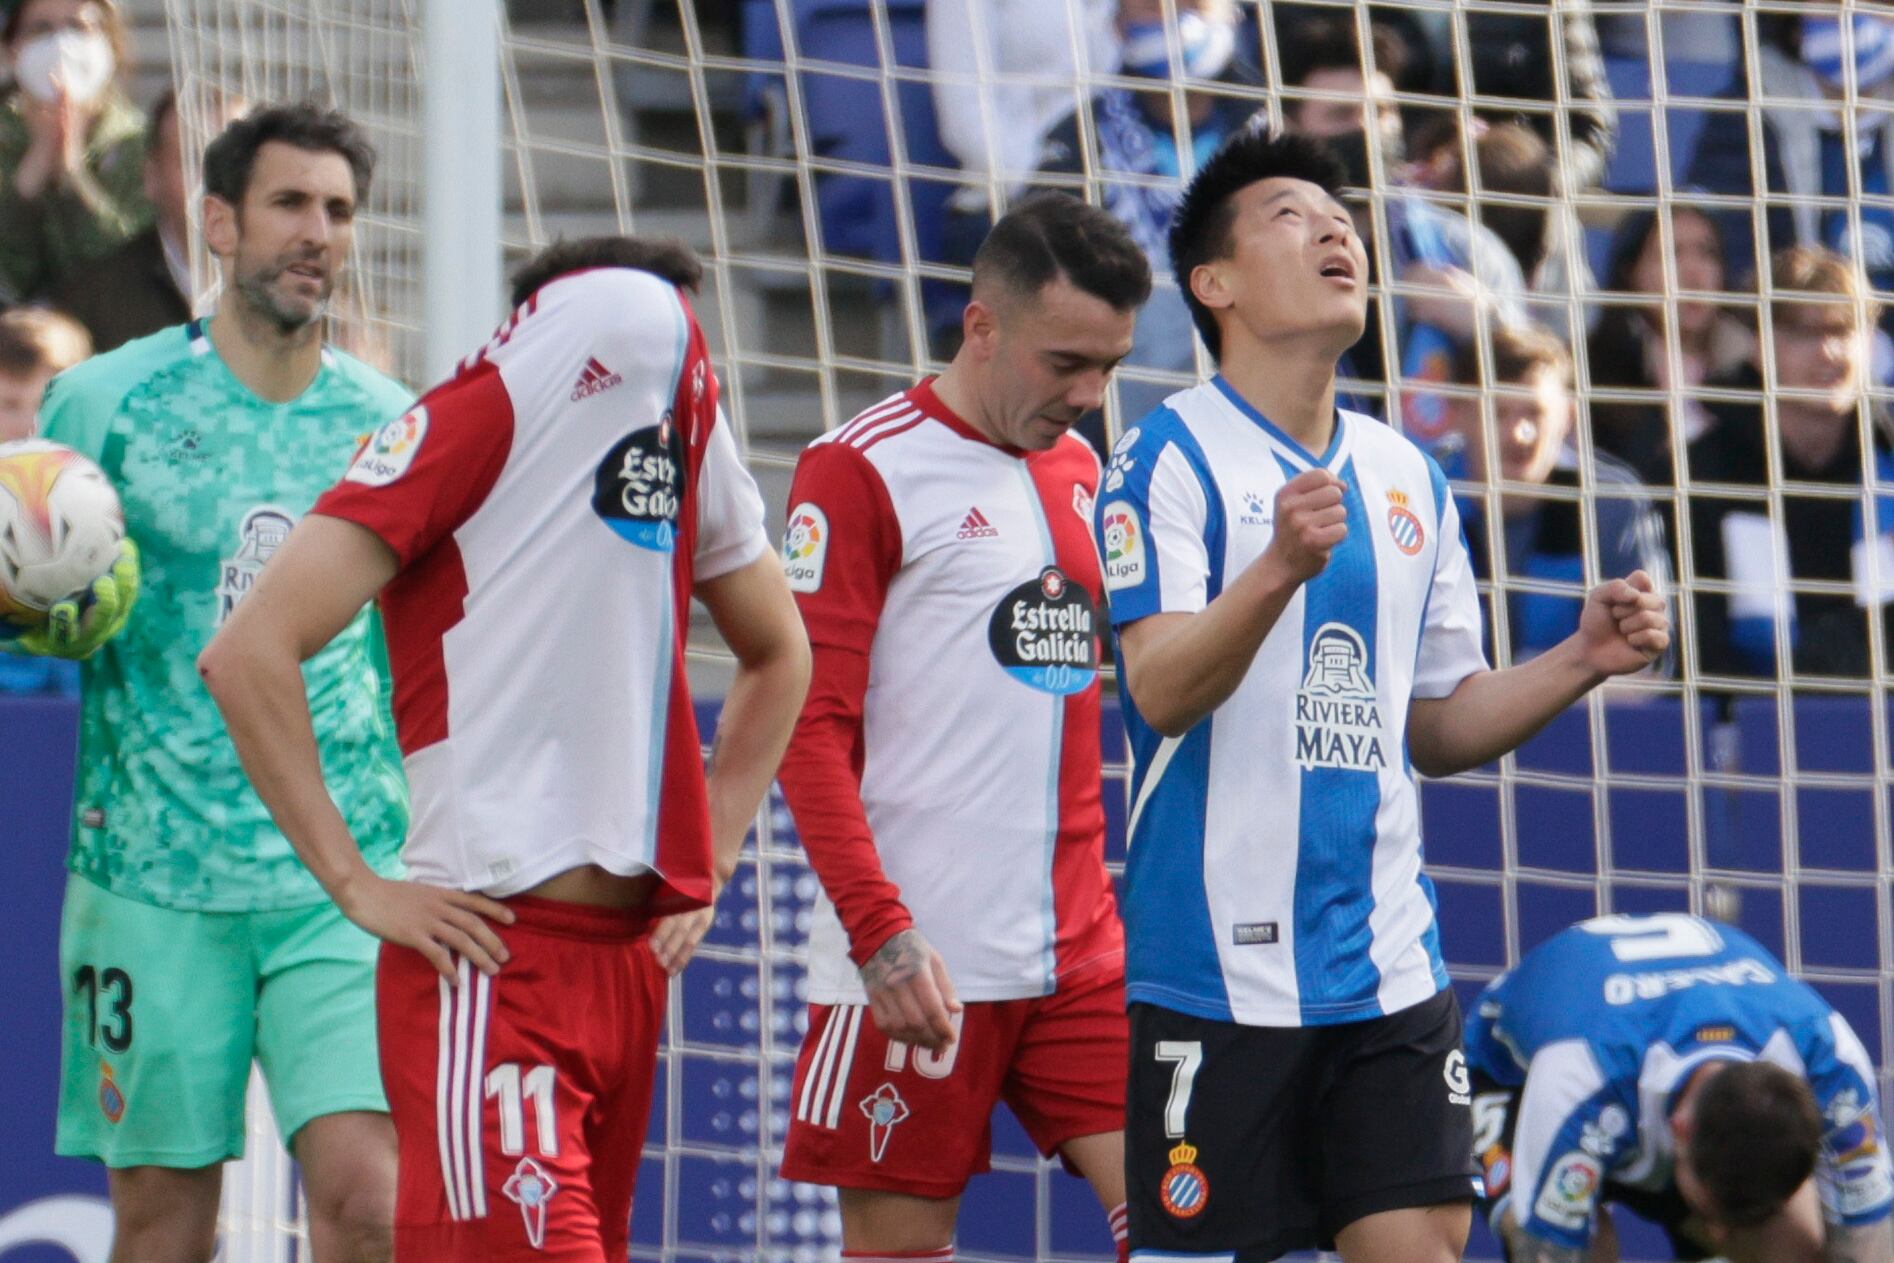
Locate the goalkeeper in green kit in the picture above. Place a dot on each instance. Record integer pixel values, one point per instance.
(193, 941)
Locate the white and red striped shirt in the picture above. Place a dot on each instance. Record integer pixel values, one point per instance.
(552, 506)
(945, 770)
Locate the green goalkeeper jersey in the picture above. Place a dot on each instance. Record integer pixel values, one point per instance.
(212, 478)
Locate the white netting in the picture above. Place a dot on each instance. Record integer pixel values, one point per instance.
(795, 144)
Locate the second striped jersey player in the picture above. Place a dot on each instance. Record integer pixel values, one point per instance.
(1298, 632)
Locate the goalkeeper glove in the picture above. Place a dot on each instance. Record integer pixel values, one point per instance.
(78, 625)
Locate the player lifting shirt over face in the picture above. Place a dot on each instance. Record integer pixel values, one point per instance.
(945, 772)
(536, 527)
(1296, 620)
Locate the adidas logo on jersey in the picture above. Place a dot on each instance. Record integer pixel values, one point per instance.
(975, 526)
(595, 379)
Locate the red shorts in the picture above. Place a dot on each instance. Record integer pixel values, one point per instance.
(520, 1101)
(871, 1113)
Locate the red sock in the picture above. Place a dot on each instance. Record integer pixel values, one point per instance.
(943, 1255)
(1120, 1221)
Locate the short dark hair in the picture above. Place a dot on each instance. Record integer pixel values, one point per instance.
(1334, 43)
(1756, 1138)
(1200, 230)
(163, 106)
(1514, 355)
(230, 159)
(667, 258)
(1049, 235)
(39, 340)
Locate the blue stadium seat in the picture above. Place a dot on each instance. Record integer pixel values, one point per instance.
(1859, 1002)
(1545, 909)
(1761, 916)
(1649, 900)
(1831, 734)
(1633, 164)
(1078, 1223)
(647, 1203)
(999, 1215)
(1472, 922)
(1460, 824)
(848, 120)
(1838, 926)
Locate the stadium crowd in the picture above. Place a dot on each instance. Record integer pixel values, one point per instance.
(1530, 237)
(1299, 546)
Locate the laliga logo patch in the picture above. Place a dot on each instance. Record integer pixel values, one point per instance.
(1403, 525)
(805, 547)
(1565, 1200)
(637, 489)
(111, 1098)
(531, 1189)
(389, 451)
(1184, 1191)
(884, 1110)
(1124, 547)
(1043, 635)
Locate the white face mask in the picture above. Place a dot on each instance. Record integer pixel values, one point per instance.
(79, 61)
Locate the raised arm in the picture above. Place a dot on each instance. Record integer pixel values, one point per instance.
(1181, 666)
(1622, 629)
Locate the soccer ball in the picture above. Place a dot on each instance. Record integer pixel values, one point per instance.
(60, 527)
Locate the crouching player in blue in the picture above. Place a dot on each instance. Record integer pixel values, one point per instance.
(1672, 1065)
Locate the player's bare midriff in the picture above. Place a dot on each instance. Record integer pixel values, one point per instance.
(590, 884)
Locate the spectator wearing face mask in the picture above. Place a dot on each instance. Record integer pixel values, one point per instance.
(1142, 148)
(71, 145)
(1813, 143)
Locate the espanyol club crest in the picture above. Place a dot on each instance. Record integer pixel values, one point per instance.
(1403, 525)
(111, 1098)
(1184, 1191)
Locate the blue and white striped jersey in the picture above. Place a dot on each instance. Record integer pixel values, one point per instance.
(1603, 1023)
(1274, 875)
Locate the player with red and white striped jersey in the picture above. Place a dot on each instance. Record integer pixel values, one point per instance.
(945, 773)
(536, 526)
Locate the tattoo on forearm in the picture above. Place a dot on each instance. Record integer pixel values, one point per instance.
(899, 959)
(1868, 1243)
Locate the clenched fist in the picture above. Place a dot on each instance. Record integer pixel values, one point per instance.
(1310, 521)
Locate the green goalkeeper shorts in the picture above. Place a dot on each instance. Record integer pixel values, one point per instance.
(166, 1009)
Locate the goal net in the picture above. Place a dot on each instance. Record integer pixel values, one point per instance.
(832, 160)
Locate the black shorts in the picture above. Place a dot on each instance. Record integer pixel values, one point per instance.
(1261, 1140)
(1497, 1107)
